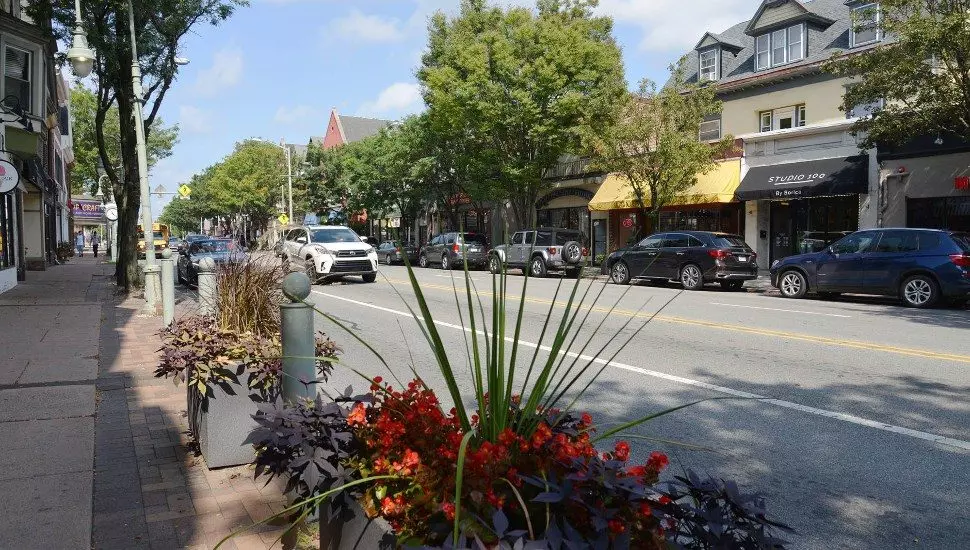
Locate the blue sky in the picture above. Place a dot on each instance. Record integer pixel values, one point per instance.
(276, 68)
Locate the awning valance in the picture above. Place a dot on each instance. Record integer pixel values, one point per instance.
(813, 178)
(716, 186)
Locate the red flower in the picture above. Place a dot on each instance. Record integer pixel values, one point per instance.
(358, 415)
(449, 509)
(645, 509)
(378, 379)
(657, 461)
(390, 506)
(587, 419)
(665, 500)
(616, 526)
(622, 451)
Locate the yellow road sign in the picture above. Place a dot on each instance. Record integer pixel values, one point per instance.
(283, 219)
(185, 191)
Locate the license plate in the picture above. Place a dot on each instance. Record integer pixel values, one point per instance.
(742, 258)
(474, 249)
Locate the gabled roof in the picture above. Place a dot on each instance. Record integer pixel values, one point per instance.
(317, 140)
(355, 128)
(710, 39)
(796, 12)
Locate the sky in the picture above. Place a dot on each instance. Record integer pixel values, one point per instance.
(276, 68)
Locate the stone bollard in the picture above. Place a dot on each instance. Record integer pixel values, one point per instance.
(296, 324)
(207, 286)
(153, 290)
(168, 287)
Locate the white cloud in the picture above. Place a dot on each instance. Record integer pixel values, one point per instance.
(400, 98)
(225, 72)
(359, 27)
(672, 25)
(193, 120)
(299, 113)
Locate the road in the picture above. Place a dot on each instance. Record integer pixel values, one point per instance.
(852, 417)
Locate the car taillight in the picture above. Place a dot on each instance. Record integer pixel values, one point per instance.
(585, 252)
(719, 254)
(754, 256)
(455, 247)
(399, 249)
(552, 250)
(961, 260)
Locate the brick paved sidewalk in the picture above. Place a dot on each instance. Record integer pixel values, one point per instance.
(151, 490)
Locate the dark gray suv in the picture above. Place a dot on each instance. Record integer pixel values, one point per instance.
(540, 251)
(450, 250)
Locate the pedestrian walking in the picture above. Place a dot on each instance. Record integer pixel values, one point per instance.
(79, 243)
(95, 241)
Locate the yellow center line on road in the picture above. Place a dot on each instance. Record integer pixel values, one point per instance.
(838, 342)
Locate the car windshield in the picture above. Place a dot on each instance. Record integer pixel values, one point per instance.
(472, 238)
(962, 240)
(211, 247)
(729, 241)
(175, 240)
(333, 235)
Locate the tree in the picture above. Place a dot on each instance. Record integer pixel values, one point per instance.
(519, 87)
(921, 76)
(655, 143)
(84, 106)
(161, 25)
(180, 216)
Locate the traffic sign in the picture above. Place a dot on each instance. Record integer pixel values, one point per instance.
(185, 191)
(283, 219)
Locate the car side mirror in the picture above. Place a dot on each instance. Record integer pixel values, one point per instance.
(830, 250)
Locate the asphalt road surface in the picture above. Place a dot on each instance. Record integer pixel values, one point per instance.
(852, 417)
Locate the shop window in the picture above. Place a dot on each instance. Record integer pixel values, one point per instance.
(939, 213)
(16, 76)
(782, 119)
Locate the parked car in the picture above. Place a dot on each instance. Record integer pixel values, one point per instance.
(691, 257)
(191, 238)
(174, 243)
(329, 252)
(920, 266)
(220, 250)
(450, 250)
(392, 252)
(540, 251)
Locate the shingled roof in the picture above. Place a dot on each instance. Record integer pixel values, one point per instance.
(355, 128)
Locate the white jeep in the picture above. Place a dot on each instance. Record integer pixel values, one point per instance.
(328, 252)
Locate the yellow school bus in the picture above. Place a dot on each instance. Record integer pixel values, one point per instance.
(160, 238)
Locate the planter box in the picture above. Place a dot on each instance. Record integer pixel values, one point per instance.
(222, 424)
(355, 531)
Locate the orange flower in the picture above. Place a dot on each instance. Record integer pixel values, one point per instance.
(358, 415)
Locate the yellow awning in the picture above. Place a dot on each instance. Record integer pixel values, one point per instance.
(716, 186)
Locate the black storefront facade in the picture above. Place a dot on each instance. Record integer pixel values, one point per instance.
(802, 206)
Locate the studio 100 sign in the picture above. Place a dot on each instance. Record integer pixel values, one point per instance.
(9, 177)
(798, 181)
(88, 210)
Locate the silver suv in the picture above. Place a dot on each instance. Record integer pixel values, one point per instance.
(328, 252)
(540, 251)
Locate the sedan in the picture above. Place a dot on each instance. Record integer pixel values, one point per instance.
(920, 266)
(394, 252)
(219, 250)
(691, 257)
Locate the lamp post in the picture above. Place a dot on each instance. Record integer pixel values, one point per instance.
(289, 174)
(82, 59)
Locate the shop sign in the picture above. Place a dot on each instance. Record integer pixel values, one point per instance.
(9, 177)
(87, 209)
(792, 179)
(961, 183)
(627, 223)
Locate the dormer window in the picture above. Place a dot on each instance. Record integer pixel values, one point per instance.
(708, 65)
(780, 47)
(865, 24)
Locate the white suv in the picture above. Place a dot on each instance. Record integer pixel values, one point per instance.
(327, 252)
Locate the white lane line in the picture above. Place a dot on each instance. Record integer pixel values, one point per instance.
(784, 310)
(926, 436)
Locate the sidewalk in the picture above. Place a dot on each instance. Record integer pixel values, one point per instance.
(97, 450)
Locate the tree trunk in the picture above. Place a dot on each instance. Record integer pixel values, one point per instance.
(129, 197)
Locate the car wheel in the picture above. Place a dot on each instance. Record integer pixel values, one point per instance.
(369, 277)
(494, 264)
(691, 277)
(732, 285)
(423, 261)
(445, 262)
(387, 260)
(620, 273)
(572, 252)
(919, 291)
(538, 267)
(311, 271)
(792, 284)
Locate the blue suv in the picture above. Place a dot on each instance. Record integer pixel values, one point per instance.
(920, 266)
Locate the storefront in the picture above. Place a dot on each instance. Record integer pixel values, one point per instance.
(810, 204)
(568, 208)
(709, 205)
(89, 217)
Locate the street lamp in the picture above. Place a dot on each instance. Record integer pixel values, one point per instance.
(80, 54)
(289, 172)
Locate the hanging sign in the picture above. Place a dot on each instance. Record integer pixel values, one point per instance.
(9, 176)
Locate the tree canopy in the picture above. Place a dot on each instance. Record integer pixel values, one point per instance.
(516, 88)
(918, 81)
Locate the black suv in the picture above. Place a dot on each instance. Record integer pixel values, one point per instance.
(449, 250)
(920, 266)
(541, 250)
(691, 257)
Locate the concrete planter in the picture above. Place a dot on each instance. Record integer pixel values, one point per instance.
(222, 424)
(355, 531)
